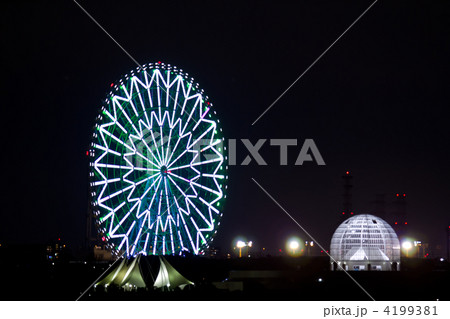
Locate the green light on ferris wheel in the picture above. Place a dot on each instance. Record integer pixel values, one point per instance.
(150, 196)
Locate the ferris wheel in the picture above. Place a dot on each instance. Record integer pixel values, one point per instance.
(157, 165)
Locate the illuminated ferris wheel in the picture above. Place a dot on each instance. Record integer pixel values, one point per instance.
(157, 164)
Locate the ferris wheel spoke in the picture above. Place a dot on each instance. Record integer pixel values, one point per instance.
(149, 149)
(133, 247)
(189, 234)
(196, 164)
(157, 180)
(179, 156)
(178, 187)
(145, 158)
(116, 139)
(179, 177)
(156, 147)
(161, 137)
(168, 146)
(111, 213)
(138, 236)
(180, 137)
(207, 189)
(148, 178)
(201, 136)
(171, 235)
(116, 102)
(190, 114)
(144, 249)
(124, 218)
(130, 99)
(179, 81)
(115, 194)
(126, 238)
(199, 213)
(199, 233)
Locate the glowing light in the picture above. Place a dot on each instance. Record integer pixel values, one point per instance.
(406, 245)
(240, 244)
(153, 191)
(294, 246)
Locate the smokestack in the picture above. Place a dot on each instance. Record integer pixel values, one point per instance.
(347, 209)
(400, 222)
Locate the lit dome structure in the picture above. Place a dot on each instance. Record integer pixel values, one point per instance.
(365, 242)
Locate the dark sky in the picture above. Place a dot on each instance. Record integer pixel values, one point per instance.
(376, 104)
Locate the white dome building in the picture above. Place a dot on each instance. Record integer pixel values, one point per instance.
(365, 242)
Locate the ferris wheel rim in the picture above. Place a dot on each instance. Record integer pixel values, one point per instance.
(163, 166)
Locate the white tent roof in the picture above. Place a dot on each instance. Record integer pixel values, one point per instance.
(128, 274)
(169, 276)
(125, 274)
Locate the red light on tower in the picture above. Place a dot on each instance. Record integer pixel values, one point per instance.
(398, 195)
(404, 195)
(406, 223)
(395, 223)
(347, 172)
(343, 213)
(87, 153)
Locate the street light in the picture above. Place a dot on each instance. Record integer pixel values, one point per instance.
(294, 245)
(406, 246)
(240, 244)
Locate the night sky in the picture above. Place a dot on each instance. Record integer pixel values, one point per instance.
(376, 104)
